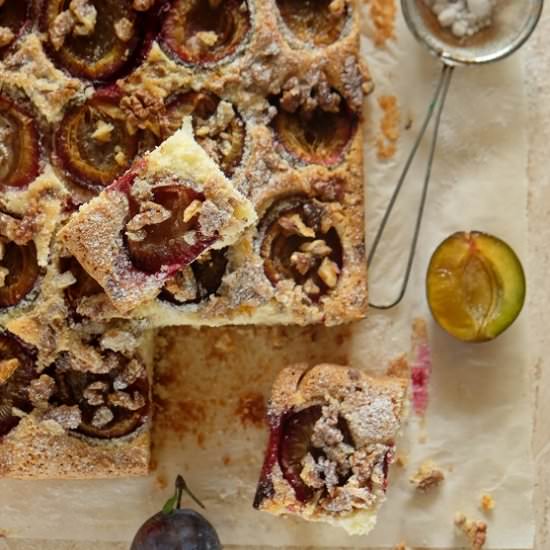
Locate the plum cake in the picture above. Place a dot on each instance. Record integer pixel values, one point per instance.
(332, 438)
(164, 162)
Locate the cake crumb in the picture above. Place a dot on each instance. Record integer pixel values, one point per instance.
(427, 477)
(226, 460)
(487, 503)
(251, 409)
(382, 13)
(386, 144)
(475, 531)
(401, 460)
(6, 36)
(401, 546)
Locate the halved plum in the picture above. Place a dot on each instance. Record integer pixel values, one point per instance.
(93, 144)
(21, 271)
(297, 243)
(177, 239)
(222, 137)
(317, 136)
(14, 17)
(475, 286)
(205, 31)
(19, 145)
(84, 285)
(97, 393)
(16, 373)
(199, 280)
(92, 39)
(316, 22)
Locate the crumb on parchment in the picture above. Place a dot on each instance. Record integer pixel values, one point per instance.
(386, 142)
(475, 531)
(382, 13)
(487, 503)
(427, 476)
(401, 546)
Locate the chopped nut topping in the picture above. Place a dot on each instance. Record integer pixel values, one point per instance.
(218, 122)
(120, 341)
(120, 157)
(41, 389)
(317, 248)
(294, 224)
(328, 272)
(68, 417)
(311, 289)
(303, 262)
(85, 16)
(102, 417)
(6, 36)
(427, 476)
(487, 503)
(192, 210)
(7, 368)
(132, 371)
(312, 92)
(144, 111)
(61, 27)
(124, 400)
(183, 286)
(143, 5)
(201, 41)
(476, 531)
(330, 190)
(124, 29)
(151, 213)
(337, 7)
(94, 393)
(103, 131)
(4, 272)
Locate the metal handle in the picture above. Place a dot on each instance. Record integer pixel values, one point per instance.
(436, 106)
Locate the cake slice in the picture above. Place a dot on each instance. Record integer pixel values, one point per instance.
(87, 415)
(173, 205)
(332, 439)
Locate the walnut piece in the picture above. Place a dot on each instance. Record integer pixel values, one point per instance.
(183, 286)
(68, 417)
(126, 401)
(337, 7)
(151, 213)
(61, 27)
(302, 262)
(103, 131)
(41, 389)
(317, 248)
(124, 29)
(6, 36)
(85, 17)
(294, 224)
(328, 272)
(7, 368)
(311, 289)
(94, 394)
(202, 41)
(102, 417)
(143, 111)
(192, 210)
(427, 477)
(133, 370)
(121, 341)
(475, 531)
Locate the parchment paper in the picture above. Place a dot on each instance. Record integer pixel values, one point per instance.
(478, 425)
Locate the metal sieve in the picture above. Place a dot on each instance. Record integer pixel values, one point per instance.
(513, 23)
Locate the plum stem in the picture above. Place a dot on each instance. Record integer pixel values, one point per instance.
(181, 486)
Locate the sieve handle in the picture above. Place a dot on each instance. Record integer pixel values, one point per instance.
(436, 106)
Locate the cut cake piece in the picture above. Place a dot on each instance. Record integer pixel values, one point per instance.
(173, 205)
(87, 415)
(332, 439)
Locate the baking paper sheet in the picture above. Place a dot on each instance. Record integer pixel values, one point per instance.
(478, 425)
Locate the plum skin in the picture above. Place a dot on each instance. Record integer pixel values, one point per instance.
(181, 529)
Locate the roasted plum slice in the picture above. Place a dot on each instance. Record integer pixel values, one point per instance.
(84, 285)
(205, 31)
(315, 22)
(219, 129)
(92, 39)
(112, 404)
(93, 144)
(475, 286)
(16, 373)
(317, 136)
(20, 270)
(14, 16)
(165, 231)
(19, 145)
(297, 242)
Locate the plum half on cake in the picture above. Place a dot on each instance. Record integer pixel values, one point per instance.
(332, 438)
(272, 91)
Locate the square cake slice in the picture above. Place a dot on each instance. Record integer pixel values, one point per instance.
(171, 206)
(332, 438)
(85, 416)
